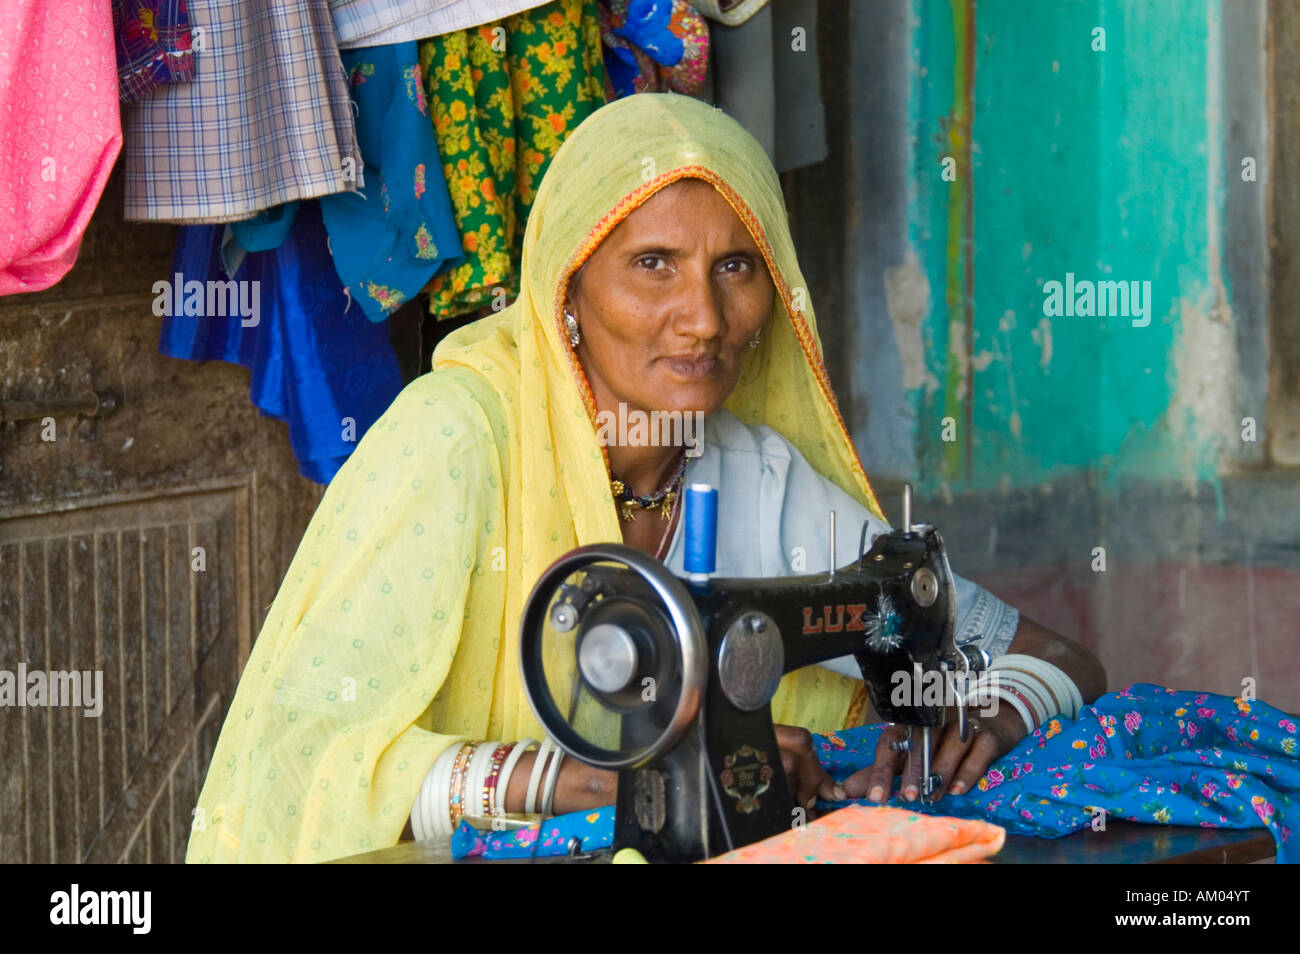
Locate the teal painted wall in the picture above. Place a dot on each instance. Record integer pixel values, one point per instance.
(1105, 164)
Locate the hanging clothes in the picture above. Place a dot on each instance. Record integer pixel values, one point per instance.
(266, 119)
(60, 134)
(653, 46)
(389, 239)
(380, 22)
(153, 45)
(502, 103)
(730, 12)
(316, 363)
(398, 231)
(765, 74)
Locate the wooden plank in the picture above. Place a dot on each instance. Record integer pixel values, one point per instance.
(13, 744)
(85, 603)
(154, 615)
(112, 724)
(136, 805)
(138, 853)
(63, 718)
(134, 736)
(180, 626)
(35, 653)
(160, 826)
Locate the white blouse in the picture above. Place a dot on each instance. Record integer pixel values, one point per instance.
(773, 507)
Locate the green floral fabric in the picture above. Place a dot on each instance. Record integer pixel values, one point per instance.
(503, 96)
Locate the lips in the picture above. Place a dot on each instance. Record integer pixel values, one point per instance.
(692, 368)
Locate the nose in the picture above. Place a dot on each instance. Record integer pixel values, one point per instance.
(698, 307)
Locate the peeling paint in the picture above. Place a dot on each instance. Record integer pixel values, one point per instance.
(1202, 414)
(1042, 336)
(907, 298)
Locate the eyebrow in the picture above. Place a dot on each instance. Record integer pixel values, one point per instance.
(668, 250)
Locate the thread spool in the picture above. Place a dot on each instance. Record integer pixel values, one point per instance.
(701, 532)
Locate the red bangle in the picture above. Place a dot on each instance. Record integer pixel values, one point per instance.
(494, 774)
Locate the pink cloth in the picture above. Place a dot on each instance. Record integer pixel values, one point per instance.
(60, 133)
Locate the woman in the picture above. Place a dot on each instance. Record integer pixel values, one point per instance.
(658, 271)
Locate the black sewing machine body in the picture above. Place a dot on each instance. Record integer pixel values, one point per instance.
(690, 669)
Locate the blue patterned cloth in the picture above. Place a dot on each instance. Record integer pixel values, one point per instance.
(316, 362)
(594, 828)
(392, 236)
(1144, 754)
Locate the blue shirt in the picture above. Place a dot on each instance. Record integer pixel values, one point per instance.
(773, 511)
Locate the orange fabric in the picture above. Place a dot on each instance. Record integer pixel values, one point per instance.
(863, 834)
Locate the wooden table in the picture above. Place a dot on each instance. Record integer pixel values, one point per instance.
(1120, 843)
(1128, 843)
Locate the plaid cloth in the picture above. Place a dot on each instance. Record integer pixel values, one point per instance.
(266, 119)
(153, 46)
(381, 22)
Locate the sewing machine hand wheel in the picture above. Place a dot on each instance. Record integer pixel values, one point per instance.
(607, 631)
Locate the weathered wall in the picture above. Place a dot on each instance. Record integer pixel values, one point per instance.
(1065, 433)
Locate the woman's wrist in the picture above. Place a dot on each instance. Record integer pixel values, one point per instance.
(580, 786)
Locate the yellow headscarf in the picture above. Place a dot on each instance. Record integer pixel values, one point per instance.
(395, 633)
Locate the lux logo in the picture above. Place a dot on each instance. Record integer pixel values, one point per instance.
(834, 623)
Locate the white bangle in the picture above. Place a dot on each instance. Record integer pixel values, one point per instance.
(475, 776)
(1007, 695)
(1053, 675)
(503, 780)
(433, 791)
(552, 777)
(1051, 678)
(1032, 688)
(535, 779)
(420, 810)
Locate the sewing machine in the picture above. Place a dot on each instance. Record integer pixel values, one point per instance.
(668, 681)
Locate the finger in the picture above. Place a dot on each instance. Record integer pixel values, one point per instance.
(948, 757)
(877, 780)
(983, 750)
(911, 785)
(828, 790)
(790, 762)
(816, 782)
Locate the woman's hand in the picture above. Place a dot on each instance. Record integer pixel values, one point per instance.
(807, 779)
(959, 764)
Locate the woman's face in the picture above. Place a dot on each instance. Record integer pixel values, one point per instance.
(668, 302)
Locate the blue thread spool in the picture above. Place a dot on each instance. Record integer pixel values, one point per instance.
(701, 531)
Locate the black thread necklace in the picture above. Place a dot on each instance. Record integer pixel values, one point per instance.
(629, 503)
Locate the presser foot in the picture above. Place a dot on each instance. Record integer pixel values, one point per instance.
(926, 781)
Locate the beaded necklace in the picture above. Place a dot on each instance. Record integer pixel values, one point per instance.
(664, 498)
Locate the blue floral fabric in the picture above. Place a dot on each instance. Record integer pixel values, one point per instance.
(1144, 754)
(392, 236)
(594, 828)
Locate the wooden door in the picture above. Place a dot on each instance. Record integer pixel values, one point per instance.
(145, 545)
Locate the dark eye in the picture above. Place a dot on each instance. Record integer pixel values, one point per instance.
(738, 266)
(650, 262)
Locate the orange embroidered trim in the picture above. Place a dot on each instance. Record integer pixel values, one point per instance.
(625, 207)
(857, 708)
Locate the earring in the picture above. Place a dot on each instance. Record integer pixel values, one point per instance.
(753, 342)
(571, 323)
